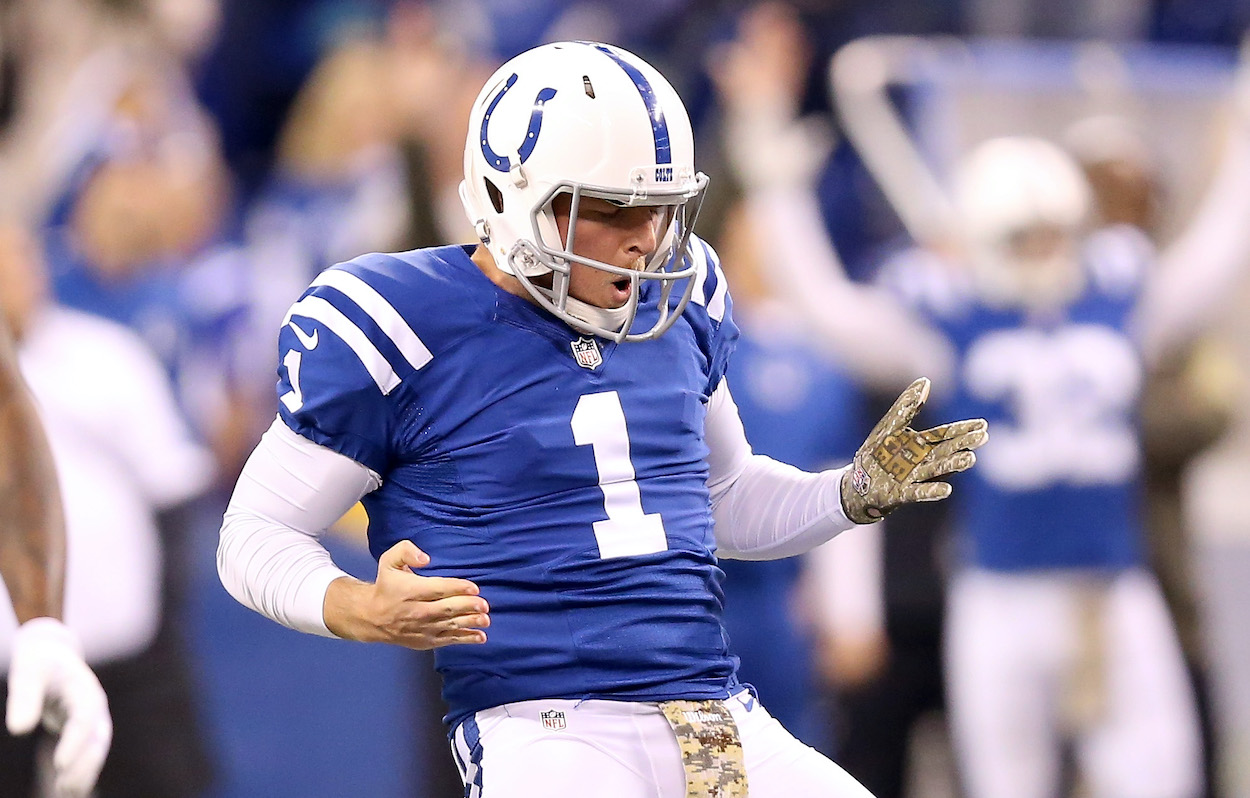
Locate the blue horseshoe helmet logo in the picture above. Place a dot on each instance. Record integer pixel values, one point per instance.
(502, 162)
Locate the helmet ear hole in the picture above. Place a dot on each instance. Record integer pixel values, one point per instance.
(496, 197)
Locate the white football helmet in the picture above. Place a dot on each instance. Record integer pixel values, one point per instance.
(1022, 203)
(589, 120)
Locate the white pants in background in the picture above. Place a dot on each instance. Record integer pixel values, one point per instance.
(623, 749)
(1225, 589)
(1015, 643)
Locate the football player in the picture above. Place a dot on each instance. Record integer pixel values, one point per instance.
(49, 683)
(540, 425)
(1056, 628)
(1054, 538)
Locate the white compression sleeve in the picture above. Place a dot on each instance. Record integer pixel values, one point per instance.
(763, 509)
(270, 556)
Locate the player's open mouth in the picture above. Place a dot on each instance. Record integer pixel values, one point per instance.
(619, 292)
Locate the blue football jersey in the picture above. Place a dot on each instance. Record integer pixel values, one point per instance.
(564, 474)
(1058, 483)
(796, 408)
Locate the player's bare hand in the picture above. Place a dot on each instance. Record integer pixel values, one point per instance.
(405, 608)
(897, 464)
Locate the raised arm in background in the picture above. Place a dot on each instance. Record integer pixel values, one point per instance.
(776, 157)
(1195, 271)
(1200, 267)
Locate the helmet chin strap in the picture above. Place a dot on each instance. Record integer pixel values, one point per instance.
(606, 318)
(606, 322)
(600, 319)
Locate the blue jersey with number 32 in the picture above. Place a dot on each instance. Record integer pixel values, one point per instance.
(1058, 483)
(573, 493)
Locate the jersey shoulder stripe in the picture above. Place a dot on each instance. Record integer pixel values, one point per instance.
(320, 309)
(383, 313)
(710, 289)
(345, 299)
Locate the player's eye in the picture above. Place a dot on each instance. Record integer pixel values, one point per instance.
(601, 212)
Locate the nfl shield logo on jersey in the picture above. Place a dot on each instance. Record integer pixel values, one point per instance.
(553, 719)
(586, 350)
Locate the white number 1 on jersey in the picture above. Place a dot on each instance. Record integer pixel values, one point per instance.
(294, 398)
(599, 422)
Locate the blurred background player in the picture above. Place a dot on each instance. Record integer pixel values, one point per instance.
(1020, 274)
(877, 597)
(1047, 338)
(127, 466)
(1187, 399)
(49, 684)
(799, 406)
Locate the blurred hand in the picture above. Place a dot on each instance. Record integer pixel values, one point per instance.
(49, 681)
(850, 662)
(760, 78)
(404, 608)
(766, 64)
(895, 464)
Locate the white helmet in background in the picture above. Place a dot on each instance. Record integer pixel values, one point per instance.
(1022, 204)
(588, 120)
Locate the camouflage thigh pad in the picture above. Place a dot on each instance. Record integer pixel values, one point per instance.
(711, 751)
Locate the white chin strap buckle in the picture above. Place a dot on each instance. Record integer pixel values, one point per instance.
(516, 173)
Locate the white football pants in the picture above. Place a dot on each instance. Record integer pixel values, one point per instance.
(1014, 644)
(625, 749)
(1225, 569)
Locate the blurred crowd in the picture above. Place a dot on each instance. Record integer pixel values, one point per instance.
(173, 174)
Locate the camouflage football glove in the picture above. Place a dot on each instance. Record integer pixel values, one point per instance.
(895, 465)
